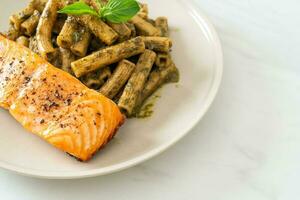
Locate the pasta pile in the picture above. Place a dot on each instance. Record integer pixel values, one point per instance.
(126, 62)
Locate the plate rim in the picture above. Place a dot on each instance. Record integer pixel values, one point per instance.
(215, 40)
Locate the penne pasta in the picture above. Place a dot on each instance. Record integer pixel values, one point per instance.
(163, 60)
(23, 41)
(144, 11)
(171, 76)
(157, 78)
(67, 57)
(119, 78)
(17, 19)
(132, 29)
(136, 83)
(69, 34)
(12, 33)
(143, 27)
(108, 56)
(162, 24)
(39, 5)
(123, 31)
(160, 44)
(98, 28)
(81, 46)
(28, 27)
(92, 81)
(96, 79)
(44, 30)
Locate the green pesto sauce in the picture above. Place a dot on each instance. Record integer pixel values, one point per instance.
(147, 109)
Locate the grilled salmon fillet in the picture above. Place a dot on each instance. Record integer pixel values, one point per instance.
(53, 104)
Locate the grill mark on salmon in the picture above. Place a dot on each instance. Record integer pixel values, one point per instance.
(53, 104)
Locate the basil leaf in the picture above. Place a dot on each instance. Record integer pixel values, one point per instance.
(78, 8)
(119, 11)
(116, 11)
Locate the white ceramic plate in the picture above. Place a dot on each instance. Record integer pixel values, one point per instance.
(197, 52)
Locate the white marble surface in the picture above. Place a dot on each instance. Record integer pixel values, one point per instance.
(248, 145)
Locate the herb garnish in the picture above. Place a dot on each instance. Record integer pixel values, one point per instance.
(115, 11)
